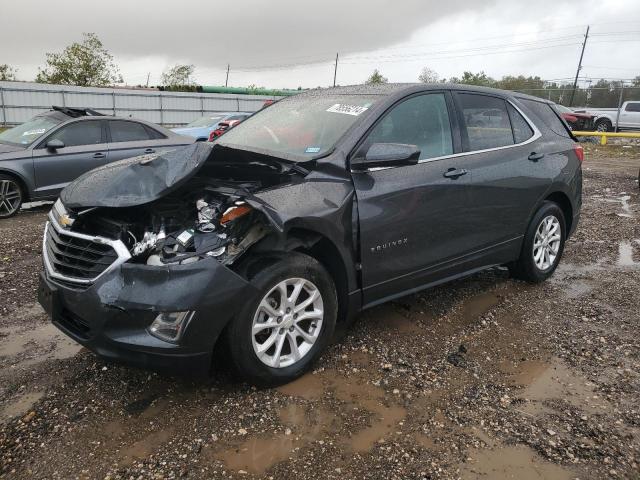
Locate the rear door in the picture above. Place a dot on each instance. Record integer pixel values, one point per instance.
(85, 149)
(413, 220)
(128, 138)
(510, 164)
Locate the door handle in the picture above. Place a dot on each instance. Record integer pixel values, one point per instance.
(149, 150)
(534, 157)
(455, 173)
(99, 155)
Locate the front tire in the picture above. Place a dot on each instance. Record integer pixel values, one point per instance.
(542, 246)
(277, 337)
(11, 196)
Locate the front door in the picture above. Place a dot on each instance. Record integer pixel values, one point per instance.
(413, 222)
(84, 149)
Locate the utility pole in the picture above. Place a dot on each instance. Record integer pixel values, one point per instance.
(575, 82)
(226, 82)
(335, 71)
(148, 75)
(619, 104)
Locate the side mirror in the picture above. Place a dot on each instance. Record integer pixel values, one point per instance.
(387, 155)
(55, 144)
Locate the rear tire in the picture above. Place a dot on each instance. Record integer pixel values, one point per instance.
(543, 245)
(604, 125)
(11, 196)
(270, 356)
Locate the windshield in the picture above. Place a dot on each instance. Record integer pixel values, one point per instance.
(205, 121)
(29, 131)
(303, 126)
(563, 109)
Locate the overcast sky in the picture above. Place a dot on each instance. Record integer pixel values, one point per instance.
(272, 44)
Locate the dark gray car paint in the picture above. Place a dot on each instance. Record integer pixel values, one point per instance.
(45, 173)
(393, 231)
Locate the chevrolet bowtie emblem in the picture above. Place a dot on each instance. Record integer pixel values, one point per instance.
(65, 220)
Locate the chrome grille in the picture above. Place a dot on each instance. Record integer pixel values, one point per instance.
(77, 258)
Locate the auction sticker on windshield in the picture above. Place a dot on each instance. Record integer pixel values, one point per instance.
(347, 109)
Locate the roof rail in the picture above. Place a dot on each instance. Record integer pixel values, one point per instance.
(78, 112)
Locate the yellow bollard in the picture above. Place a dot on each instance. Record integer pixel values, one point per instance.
(603, 139)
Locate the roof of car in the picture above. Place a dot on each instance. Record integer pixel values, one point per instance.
(387, 89)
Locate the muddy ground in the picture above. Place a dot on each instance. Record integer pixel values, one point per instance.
(483, 378)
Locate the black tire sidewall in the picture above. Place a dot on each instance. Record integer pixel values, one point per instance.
(12, 179)
(238, 334)
(606, 123)
(526, 265)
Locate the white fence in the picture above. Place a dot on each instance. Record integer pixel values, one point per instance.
(19, 101)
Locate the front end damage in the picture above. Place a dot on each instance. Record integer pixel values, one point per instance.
(141, 256)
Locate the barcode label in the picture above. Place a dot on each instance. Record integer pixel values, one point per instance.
(347, 109)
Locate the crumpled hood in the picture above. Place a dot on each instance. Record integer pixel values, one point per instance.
(137, 180)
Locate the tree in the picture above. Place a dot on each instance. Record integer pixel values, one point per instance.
(86, 64)
(7, 72)
(178, 76)
(376, 78)
(428, 76)
(469, 78)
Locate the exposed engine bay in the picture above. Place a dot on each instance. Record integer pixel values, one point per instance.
(205, 217)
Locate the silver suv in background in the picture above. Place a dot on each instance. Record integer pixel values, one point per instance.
(43, 155)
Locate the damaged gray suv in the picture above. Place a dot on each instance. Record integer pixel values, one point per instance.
(319, 206)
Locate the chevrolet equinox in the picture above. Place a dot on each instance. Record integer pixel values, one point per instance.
(315, 208)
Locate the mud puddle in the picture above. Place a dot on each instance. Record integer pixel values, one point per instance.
(304, 425)
(511, 463)
(20, 405)
(44, 342)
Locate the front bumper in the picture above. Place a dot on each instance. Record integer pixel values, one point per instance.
(111, 316)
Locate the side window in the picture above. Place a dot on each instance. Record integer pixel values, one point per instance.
(545, 112)
(124, 131)
(153, 133)
(632, 107)
(521, 129)
(486, 120)
(422, 121)
(78, 134)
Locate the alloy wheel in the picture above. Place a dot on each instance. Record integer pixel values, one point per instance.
(10, 197)
(287, 323)
(546, 243)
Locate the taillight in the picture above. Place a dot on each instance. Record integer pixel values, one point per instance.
(579, 152)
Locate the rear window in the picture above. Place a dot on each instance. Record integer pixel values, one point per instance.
(123, 131)
(521, 129)
(487, 121)
(546, 114)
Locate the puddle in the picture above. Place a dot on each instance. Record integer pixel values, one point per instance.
(511, 463)
(388, 317)
(623, 200)
(144, 447)
(478, 305)
(257, 454)
(309, 386)
(625, 254)
(57, 345)
(307, 424)
(546, 381)
(20, 405)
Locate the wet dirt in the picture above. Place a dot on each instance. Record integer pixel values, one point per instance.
(485, 377)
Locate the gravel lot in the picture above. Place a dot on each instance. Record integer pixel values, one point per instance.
(483, 378)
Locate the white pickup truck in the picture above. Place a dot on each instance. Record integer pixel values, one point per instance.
(606, 117)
